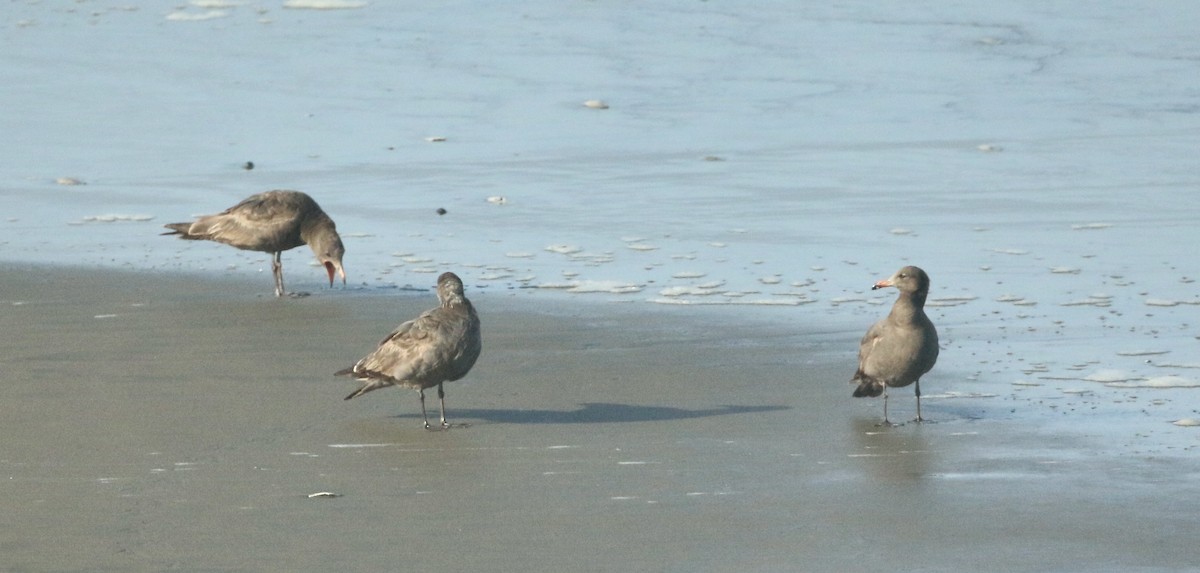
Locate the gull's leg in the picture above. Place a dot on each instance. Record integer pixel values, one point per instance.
(886, 422)
(442, 399)
(421, 393)
(277, 268)
(919, 418)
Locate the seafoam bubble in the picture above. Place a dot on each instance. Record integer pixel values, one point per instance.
(519, 255)
(1142, 352)
(950, 300)
(676, 291)
(116, 218)
(592, 259)
(1065, 270)
(1091, 226)
(1157, 382)
(989, 148)
(564, 249)
(728, 302)
(197, 16)
(1009, 298)
(69, 181)
(1169, 302)
(1160, 302)
(689, 275)
(595, 104)
(1177, 364)
(796, 297)
(1010, 251)
(948, 395)
(770, 280)
(497, 200)
(641, 247)
(901, 231)
(1108, 375)
(323, 4)
(1090, 301)
(1187, 422)
(612, 287)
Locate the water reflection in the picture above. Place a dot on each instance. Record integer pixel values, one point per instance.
(897, 454)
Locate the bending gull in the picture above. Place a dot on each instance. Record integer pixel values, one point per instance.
(899, 349)
(272, 222)
(439, 346)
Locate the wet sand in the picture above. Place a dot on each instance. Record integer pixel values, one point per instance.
(168, 423)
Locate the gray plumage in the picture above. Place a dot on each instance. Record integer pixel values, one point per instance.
(439, 346)
(272, 222)
(899, 349)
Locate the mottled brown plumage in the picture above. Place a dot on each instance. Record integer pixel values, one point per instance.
(899, 349)
(272, 222)
(439, 346)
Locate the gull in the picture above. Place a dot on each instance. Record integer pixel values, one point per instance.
(899, 349)
(439, 346)
(272, 222)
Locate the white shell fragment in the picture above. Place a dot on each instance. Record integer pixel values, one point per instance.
(595, 104)
(323, 494)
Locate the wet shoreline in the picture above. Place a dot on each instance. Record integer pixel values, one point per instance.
(159, 422)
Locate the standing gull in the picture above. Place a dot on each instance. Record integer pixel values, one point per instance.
(272, 222)
(899, 349)
(439, 346)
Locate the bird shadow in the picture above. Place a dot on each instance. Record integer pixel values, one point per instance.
(599, 413)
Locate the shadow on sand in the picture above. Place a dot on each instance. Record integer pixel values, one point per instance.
(597, 413)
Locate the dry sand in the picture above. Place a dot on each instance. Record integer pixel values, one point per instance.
(161, 423)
